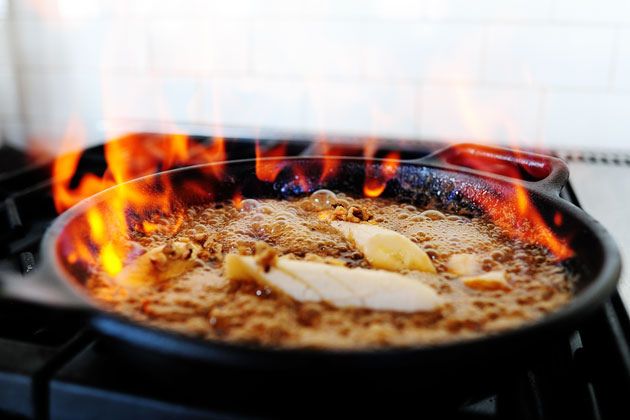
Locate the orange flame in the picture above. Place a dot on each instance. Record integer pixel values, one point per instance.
(101, 239)
(176, 150)
(213, 153)
(526, 222)
(268, 170)
(490, 121)
(65, 166)
(377, 175)
(300, 179)
(128, 158)
(376, 178)
(537, 230)
(237, 199)
(111, 260)
(331, 160)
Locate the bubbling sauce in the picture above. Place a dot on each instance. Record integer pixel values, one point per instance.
(202, 303)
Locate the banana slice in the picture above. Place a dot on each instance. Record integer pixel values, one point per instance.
(385, 248)
(464, 264)
(238, 267)
(338, 285)
(493, 280)
(321, 278)
(159, 265)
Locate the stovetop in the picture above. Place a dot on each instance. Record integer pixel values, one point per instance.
(53, 366)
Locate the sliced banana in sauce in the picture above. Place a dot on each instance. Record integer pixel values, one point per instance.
(385, 248)
(468, 268)
(492, 280)
(159, 265)
(340, 286)
(464, 264)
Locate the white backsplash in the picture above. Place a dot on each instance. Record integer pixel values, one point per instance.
(553, 72)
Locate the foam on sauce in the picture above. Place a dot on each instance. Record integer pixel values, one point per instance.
(204, 304)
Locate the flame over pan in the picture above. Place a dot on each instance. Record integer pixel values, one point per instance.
(102, 240)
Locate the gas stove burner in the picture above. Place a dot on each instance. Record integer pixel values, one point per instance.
(53, 366)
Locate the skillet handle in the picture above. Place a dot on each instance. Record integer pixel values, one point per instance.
(545, 174)
(40, 289)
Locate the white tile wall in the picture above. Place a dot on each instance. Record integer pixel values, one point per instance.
(9, 104)
(590, 11)
(322, 9)
(361, 108)
(82, 46)
(5, 55)
(307, 49)
(75, 46)
(45, 135)
(125, 46)
(587, 119)
(423, 51)
(483, 114)
(394, 9)
(622, 69)
(27, 10)
(4, 9)
(495, 10)
(556, 56)
(79, 9)
(200, 46)
(8, 97)
(171, 99)
(507, 71)
(254, 102)
(181, 9)
(56, 97)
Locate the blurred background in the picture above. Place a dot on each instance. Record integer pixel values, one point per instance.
(528, 72)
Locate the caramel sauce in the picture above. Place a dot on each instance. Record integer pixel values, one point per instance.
(204, 304)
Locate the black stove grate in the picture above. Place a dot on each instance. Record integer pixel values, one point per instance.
(52, 366)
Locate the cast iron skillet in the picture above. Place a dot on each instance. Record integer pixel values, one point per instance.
(445, 179)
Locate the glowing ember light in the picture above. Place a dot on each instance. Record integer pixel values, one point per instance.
(112, 264)
(213, 153)
(65, 166)
(300, 179)
(149, 228)
(99, 238)
(516, 213)
(97, 225)
(331, 164)
(377, 176)
(197, 190)
(73, 257)
(237, 199)
(522, 200)
(177, 151)
(268, 170)
(373, 188)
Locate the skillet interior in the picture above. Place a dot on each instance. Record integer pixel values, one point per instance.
(596, 262)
